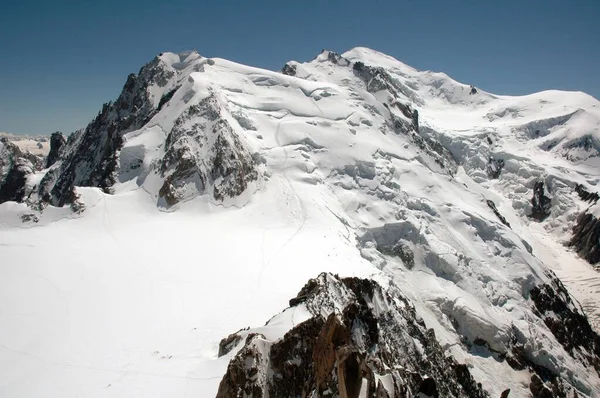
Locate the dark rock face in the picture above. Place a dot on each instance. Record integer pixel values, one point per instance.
(15, 167)
(228, 343)
(336, 58)
(91, 155)
(91, 160)
(586, 237)
(375, 78)
(408, 112)
(494, 168)
(584, 194)
(13, 187)
(540, 203)
(343, 353)
(57, 142)
(538, 388)
(166, 98)
(436, 151)
(27, 218)
(289, 69)
(432, 148)
(492, 206)
(243, 378)
(202, 149)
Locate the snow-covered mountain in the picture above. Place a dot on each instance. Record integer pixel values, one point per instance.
(440, 238)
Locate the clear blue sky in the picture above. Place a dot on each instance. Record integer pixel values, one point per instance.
(60, 60)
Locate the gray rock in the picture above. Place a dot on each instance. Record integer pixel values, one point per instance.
(57, 142)
(540, 203)
(586, 237)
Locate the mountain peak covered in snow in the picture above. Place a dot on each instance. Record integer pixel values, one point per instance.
(462, 223)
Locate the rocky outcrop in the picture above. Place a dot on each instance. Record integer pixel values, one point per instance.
(336, 58)
(585, 195)
(399, 250)
(57, 142)
(91, 160)
(492, 206)
(430, 147)
(289, 69)
(349, 347)
(228, 343)
(375, 78)
(540, 203)
(204, 152)
(586, 237)
(13, 186)
(15, 168)
(494, 168)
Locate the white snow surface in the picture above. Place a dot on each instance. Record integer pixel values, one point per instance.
(127, 299)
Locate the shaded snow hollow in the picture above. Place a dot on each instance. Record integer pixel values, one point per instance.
(234, 185)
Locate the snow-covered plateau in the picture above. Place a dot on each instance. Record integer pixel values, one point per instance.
(347, 227)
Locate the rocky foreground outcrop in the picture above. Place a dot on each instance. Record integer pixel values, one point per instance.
(364, 340)
(361, 340)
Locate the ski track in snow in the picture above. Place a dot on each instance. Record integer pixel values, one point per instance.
(302, 222)
(303, 212)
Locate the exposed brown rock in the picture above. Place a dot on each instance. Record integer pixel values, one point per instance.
(340, 354)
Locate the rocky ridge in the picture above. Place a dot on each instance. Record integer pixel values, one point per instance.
(360, 340)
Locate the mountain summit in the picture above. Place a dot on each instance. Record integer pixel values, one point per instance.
(404, 235)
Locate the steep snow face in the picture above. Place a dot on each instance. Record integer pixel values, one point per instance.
(354, 164)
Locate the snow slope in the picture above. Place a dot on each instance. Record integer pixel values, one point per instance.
(244, 183)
